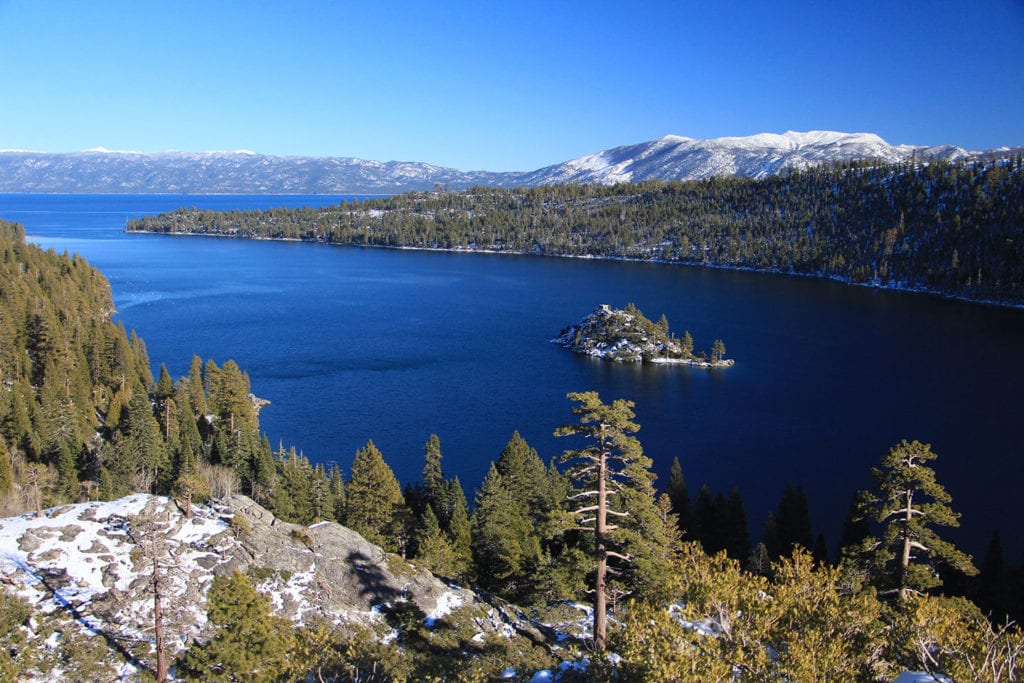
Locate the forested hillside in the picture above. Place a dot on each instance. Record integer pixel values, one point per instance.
(955, 228)
(83, 419)
(67, 371)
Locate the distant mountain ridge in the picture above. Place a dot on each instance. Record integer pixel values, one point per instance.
(679, 158)
(243, 172)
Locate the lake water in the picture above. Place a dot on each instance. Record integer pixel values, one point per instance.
(351, 344)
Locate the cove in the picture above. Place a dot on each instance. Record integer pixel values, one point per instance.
(351, 344)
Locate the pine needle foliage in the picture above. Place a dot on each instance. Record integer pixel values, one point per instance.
(613, 497)
(908, 502)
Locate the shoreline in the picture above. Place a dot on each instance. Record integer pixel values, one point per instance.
(626, 259)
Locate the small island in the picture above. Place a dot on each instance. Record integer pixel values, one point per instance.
(627, 336)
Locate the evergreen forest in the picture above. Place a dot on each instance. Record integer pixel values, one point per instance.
(954, 228)
(680, 588)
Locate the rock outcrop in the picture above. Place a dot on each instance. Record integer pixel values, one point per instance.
(92, 560)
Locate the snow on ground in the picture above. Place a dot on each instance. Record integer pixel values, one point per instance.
(446, 603)
(921, 677)
(74, 555)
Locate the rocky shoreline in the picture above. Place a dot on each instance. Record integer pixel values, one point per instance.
(627, 336)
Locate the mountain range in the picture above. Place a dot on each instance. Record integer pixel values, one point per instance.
(671, 157)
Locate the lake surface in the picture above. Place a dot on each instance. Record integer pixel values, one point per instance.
(351, 344)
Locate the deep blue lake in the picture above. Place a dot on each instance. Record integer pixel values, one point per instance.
(351, 344)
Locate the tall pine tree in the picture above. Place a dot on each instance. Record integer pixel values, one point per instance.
(907, 501)
(613, 497)
(374, 505)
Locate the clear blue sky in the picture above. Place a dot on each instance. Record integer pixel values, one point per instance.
(501, 85)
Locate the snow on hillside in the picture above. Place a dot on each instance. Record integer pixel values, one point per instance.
(679, 158)
(79, 558)
(671, 157)
(84, 563)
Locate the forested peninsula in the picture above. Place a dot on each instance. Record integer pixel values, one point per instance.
(952, 228)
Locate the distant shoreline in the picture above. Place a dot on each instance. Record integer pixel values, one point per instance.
(591, 257)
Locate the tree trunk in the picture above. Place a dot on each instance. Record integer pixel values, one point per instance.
(601, 552)
(158, 626)
(905, 559)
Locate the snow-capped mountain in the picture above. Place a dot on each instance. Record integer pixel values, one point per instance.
(678, 158)
(244, 172)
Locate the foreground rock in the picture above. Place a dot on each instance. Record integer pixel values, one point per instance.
(84, 559)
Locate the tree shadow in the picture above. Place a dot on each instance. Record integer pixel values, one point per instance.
(373, 582)
(111, 639)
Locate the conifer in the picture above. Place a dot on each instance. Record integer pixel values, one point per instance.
(612, 478)
(375, 507)
(434, 549)
(505, 545)
(907, 501)
(679, 496)
(248, 643)
(432, 474)
(6, 468)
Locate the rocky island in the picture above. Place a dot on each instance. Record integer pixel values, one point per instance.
(627, 336)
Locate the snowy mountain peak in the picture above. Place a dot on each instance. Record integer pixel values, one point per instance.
(678, 158)
(674, 139)
(671, 157)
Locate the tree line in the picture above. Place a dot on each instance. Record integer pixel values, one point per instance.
(951, 227)
(82, 418)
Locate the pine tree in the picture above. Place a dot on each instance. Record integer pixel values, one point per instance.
(460, 531)
(434, 549)
(248, 643)
(505, 544)
(140, 448)
(188, 483)
(524, 473)
(337, 487)
(196, 388)
(679, 496)
(735, 533)
(793, 521)
(907, 502)
(6, 469)
(706, 526)
(164, 387)
(612, 478)
(717, 351)
(153, 558)
(375, 506)
(686, 344)
(993, 591)
(432, 474)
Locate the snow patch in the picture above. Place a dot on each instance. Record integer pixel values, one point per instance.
(449, 601)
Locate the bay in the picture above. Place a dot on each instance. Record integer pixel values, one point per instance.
(351, 344)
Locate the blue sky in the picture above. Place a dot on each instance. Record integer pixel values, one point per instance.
(501, 85)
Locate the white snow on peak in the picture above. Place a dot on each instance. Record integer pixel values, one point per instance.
(104, 150)
(675, 139)
(791, 140)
